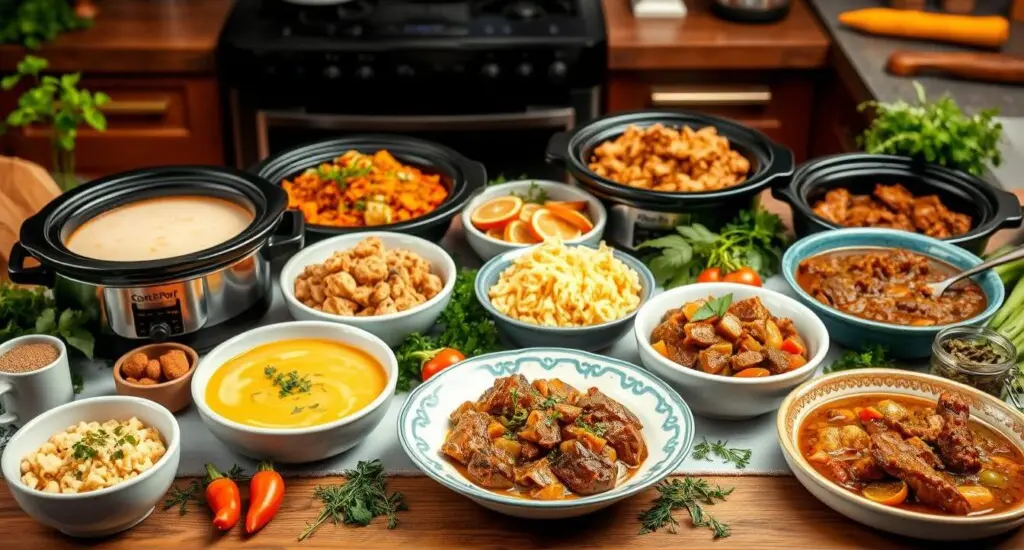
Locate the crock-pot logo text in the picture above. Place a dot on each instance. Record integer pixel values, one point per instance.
(159, 296)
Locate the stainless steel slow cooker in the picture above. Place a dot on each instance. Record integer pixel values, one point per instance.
(198, 299)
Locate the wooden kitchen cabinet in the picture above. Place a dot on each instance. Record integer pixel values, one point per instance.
(777, 103)
(150, 122)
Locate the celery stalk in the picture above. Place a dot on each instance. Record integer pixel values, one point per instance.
(1013, 304)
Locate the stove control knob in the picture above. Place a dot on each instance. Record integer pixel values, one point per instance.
(365, 72)
(332, 72)
(524, 69)
(405, 71)
(158, 332)
(490, 70)
(557, 70)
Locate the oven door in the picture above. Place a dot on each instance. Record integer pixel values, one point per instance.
(510, 144)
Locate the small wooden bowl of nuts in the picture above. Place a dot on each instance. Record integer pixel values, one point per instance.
(159, 372)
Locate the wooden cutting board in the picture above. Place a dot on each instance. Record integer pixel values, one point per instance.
(24, 189)
(988, 67)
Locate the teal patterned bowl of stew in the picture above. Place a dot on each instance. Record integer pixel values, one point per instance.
(902, 340)
(667, 425)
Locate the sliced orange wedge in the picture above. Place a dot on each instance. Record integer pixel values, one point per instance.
(526, 212)
(496, 212)
(889, 493)
(518, 232)
(573, 205)
(496, 233)
(576, 218)
(544, 224)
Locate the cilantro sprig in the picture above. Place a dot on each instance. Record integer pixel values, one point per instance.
(936, 131)
(754, 238)
(870, 356)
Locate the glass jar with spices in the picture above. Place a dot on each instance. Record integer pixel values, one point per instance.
(976, 356)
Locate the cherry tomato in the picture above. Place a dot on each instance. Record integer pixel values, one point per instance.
(443, 359)
(744, 276)
(710, 275)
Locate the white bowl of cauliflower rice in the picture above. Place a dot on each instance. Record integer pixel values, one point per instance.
(387, 284)
(94, 467)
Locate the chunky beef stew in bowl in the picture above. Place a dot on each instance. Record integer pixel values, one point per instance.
(869, 286)
(546, 432)
(732, 351)
(907, 452)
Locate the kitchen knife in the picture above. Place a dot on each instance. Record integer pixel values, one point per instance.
(990, 67)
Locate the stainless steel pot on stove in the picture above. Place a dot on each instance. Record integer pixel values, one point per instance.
(198, 299)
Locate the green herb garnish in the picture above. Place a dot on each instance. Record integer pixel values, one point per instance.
(181, 497)
(500, 179)
(534, 193)
(936, 131)
(363, 497)
(754, 238)
(871, 356)
(713, 308)
(466, 327)
(739, 457)
(341, 175)
(597, 428)
(33, 311)
(289, 383)
(689, 493)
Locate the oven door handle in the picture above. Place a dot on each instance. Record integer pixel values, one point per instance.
(561, 117)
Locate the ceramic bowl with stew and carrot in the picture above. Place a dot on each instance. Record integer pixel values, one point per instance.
(908, 453)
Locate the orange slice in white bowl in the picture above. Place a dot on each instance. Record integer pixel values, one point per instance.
(526, 212)
(544, 224)
(574, 217)
(496, 233)
(496, 212)
(519, 232)
(574, 205)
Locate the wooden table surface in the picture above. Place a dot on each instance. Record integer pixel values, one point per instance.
(703, 41)
(137, 37)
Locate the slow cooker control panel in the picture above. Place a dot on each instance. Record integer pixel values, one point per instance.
(158, 323)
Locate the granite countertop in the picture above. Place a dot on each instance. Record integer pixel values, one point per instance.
(868, 55)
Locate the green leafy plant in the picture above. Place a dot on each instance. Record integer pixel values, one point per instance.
(32, 22)
(33, 311)
(870, 356)
(937, 132)
(754, 238)
(59, 102)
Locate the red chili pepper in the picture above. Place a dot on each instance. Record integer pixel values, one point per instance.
(266, 491)
(223, 498)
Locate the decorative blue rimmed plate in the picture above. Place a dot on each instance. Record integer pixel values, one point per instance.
(668, 424)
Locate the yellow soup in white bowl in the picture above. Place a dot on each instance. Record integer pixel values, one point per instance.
(296, 392)
(295, 384)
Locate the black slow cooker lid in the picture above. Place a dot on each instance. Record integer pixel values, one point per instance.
(769, 161)
(988, 206)
(459, 174)
(43, 234)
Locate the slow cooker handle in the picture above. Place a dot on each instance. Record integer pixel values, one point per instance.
(1008, 209)
(22, 275)
(288, 236)
(780, 173)
(558, 146)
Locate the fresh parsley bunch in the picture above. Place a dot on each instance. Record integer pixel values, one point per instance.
(937, 132)
(33, 311)
(754, 238)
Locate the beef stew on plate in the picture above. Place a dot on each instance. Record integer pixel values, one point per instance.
(545, 440)
(915, 454)
(741, 339)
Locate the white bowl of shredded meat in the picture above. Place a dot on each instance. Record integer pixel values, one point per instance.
(387, 284)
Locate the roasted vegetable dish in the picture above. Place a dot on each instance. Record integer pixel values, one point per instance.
(889, 286)
(895, 207)
(741, 339)
(545, 440)
(914, 454)
(671, 160)
(359, 190)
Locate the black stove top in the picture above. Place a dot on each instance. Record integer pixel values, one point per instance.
(508, 41)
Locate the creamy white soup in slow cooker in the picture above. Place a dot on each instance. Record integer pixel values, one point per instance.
(154, 229)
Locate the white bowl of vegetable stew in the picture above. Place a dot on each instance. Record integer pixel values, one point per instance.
(545, 433)
(918, 455)
(736, 363)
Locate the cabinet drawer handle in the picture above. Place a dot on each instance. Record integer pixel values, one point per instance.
(155, 107)
(680, 97)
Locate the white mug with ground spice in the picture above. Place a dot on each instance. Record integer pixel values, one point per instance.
(34, 377)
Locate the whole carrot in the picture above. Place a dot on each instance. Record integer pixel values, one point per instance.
(266, 491)
(223, 498)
